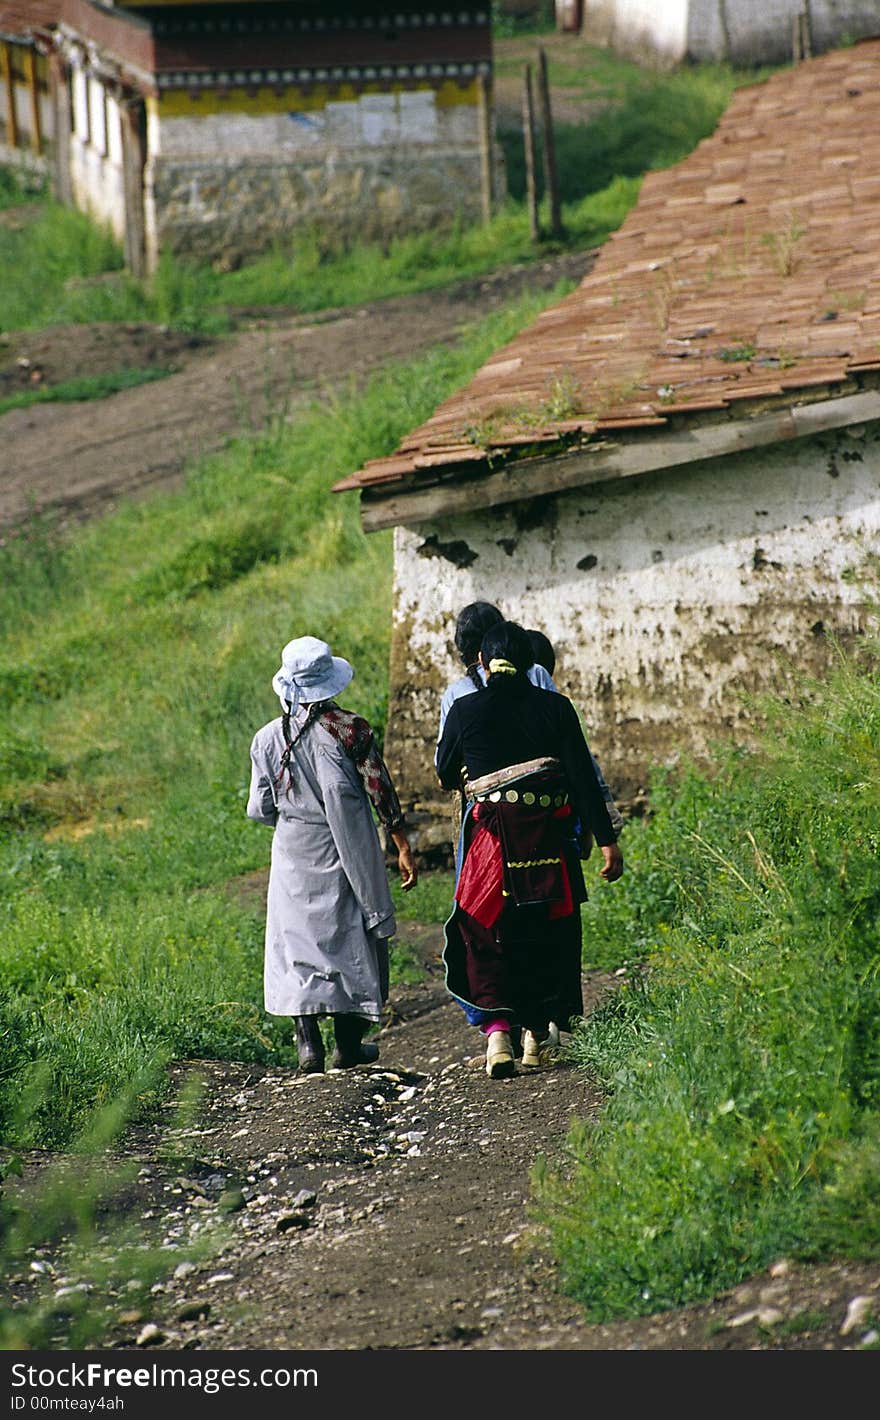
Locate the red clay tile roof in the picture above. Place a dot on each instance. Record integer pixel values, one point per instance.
(20, 18)
(749, 271)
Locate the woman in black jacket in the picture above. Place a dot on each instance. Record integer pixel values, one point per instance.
(534, 805)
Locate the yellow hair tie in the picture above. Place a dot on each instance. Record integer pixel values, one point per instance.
(499, 666)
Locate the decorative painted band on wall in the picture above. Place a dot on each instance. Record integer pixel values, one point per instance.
(213, 24)
(240, 78)
(297, 101)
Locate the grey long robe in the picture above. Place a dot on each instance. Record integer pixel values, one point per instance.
(329, 911)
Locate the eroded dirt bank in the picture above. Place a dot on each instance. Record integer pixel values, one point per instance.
(76, 458)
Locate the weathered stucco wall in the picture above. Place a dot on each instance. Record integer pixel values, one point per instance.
(667, 596)
(96, 173)
(368, 165)
(741, 31)
(640, 28)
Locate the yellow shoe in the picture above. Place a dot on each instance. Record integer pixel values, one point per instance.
(500, 1064)
(531, 1056)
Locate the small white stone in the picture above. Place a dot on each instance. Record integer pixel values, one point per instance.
(149, 1335)
(220, 1277)
(856, 1314)
(184, 1269)
(765, 1316)
(870, 1338)
(780, 1268)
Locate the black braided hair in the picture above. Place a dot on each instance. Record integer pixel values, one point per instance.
(542, 650)
(471, 625)
(285, 767)
(509, 642)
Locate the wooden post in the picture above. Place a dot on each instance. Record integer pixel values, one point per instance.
(30, 61)
(806, 37)
(59, 90)
(796, 55)
(134, 156)
(529, 145)
(550, 184)
(485, 121)
(9, 82)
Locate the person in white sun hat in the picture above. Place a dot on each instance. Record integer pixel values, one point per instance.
(315, 773)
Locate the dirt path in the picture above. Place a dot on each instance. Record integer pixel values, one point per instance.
(387, 1208)
(79, 457)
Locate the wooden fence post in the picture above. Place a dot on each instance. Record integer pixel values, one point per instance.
(134, 156)
(487, 186)
(9, 84)
(529, 145)
(550, 184)
(30, 61)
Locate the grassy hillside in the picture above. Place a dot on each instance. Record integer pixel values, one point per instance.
(136, 656)
(742, 1059)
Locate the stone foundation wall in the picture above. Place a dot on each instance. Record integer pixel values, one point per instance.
(231, 208)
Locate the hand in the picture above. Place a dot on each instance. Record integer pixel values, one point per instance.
(612, 868)
(406, 863)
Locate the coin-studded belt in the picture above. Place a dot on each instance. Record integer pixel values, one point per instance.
(523, 796)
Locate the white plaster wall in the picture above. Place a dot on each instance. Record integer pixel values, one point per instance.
(79, 87)
(97, 125)
(634, 25)
(114, 132)
(97, 187)
(706, 581)
(744, 31)
(372, 120)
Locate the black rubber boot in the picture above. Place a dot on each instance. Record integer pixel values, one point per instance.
(309, 1045)
(350, 1048)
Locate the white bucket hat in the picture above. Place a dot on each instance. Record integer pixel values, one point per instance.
(309, 672)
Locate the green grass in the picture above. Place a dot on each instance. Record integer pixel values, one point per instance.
(507, 26)
(18, 186)
(741, 1061)
(61, 269)
(84, 388)
(136, 659)
(641, 120)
